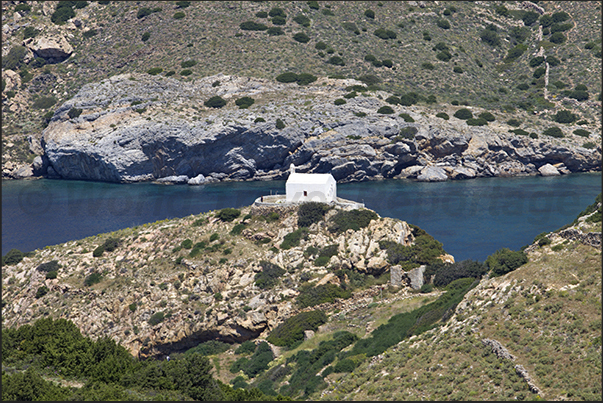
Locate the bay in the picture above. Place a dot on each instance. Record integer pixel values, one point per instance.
(472, 218)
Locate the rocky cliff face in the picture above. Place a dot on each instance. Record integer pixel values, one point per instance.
(212, 295)
(141, 127)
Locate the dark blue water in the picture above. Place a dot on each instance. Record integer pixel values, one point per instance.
(472, 218)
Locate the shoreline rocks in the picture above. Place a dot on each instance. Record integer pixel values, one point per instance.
(127, 133)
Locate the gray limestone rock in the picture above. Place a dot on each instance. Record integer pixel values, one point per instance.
(432, 174)
(548, 170)
(415, 278)
(197, 180)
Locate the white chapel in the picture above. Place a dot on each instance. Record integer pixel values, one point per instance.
(302, 187)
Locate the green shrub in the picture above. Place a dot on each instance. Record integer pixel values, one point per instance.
(589, 145)
(292, 239)
(557, 38)
(336, 60)
(53, 265)
(179, 15)
(426, 288)
(145, 37)
(505, 260)
(275, 31)
(581, 133)
(444, 56)
(313, 5)
(278, 20)
(564, 116)
(345, 365)
(291, 331)
(253, 26)
(143, 12)
(14, 59)
(279, 124)
(515, 52)
(354, 219)
(244, 102)
(214, 237)
(210, 347)
(530, 17)
(44, 102)
(133, 306)
(490, 37)
(463, 114)
(533, 136)
(519, 132)
(247, 347)
(287, 77)
(513, 122)
(154, 71)
(261, 14)
(360, 114)
(215, 102)
(236, 230)
(52, 274)
(427, 66)
(385, 34)
(156, 318)
(62, 13)
(457, 69)
(445, 273)
(339, 101)
(408, 132)
(301, 37)
(392, 100)
(386, 110)
(188, 63)
(187, 244)
(90, 33)
(312, 296)
(269, 276)
(23, 7)
(302, 20)
(311, 212)
(487, 116)
(369, 14)
(305, 79)
(43, 290)
(259, 120)
(183, 4)
(407, 118)
(443, 115)
(170, 73)
(443, 23)
(30, 32)
(92, 279)
(477, 122)
(98, 251)
(553, 132)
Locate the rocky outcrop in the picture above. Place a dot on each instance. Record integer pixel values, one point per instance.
(53, 49)
(144, 128)
(204, 297)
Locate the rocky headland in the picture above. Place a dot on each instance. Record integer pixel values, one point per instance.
(208, 295)
(139, 127)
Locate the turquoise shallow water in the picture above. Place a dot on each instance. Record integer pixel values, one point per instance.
(472, 218)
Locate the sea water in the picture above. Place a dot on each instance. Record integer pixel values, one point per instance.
(472, 218)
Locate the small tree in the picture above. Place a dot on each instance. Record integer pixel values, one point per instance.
(301, 37)
(244, 102)
(280, 124)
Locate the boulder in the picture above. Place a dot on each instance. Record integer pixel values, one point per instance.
(396, 276)
(197, 180)
(54, 49)
(174, 179)
(548, 170)
(432, 174)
